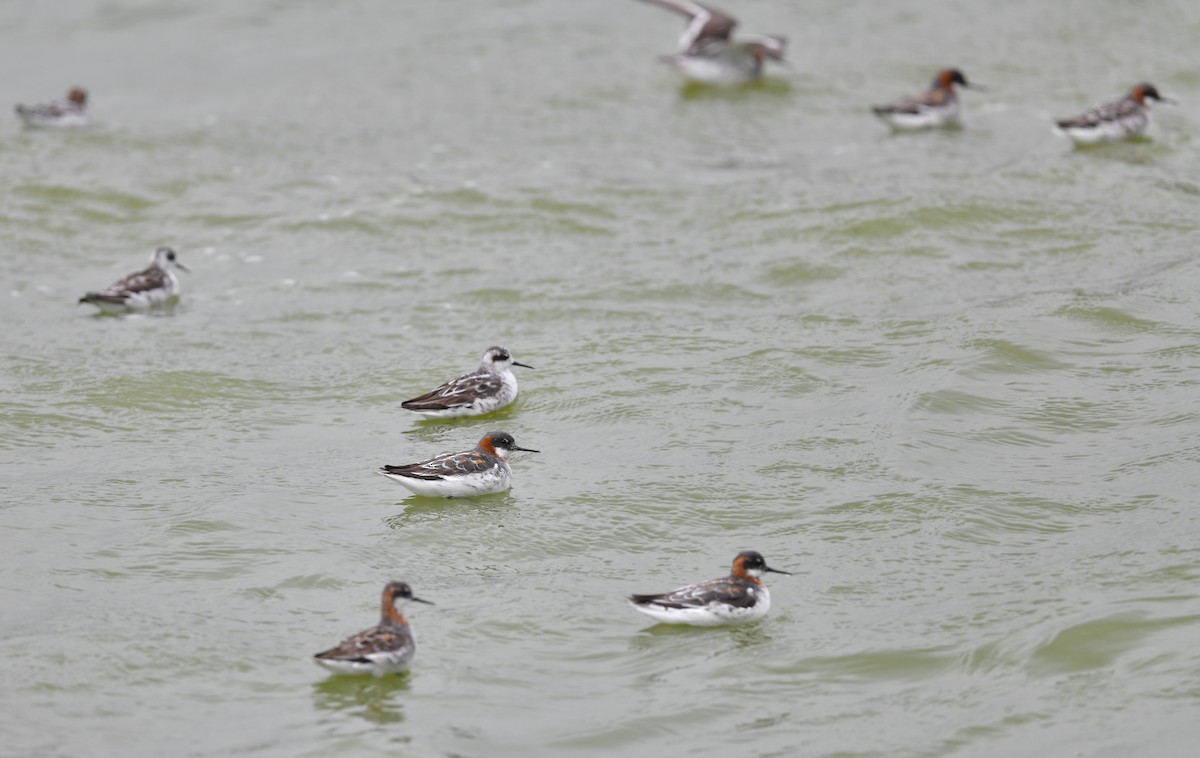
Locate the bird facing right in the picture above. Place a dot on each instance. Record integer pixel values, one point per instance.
(384, 649)
(151, 286)
(489, 388)
(481, 471)
(1114, 120)
(708, 54)
(57, 113)
(738, 598)
(936, 106)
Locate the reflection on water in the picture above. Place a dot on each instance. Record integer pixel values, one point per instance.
(769, 85)
(714, 640)
(425, 510)
(168, 308)
(372, 698)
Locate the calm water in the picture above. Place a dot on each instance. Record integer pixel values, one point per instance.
(948, 379)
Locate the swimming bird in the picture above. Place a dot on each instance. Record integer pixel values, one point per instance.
(707, 52)
(68, 112)
(384, 649)
(143, 289)
(1114, 120)
(738, 598)
(937, 106)
(490, 387)
(480, 471)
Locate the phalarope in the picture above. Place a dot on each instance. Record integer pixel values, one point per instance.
(384, 649)
(481, 471)
(68, 112)
(937, 106)
(151, 286)
(708, 54)
(491, 387)
(1114, 120)
(738, 598)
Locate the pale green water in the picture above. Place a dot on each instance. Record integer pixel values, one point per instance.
(948, 379)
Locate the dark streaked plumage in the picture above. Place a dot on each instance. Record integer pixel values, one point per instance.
(1113, 120)
(68, 112)
(480, 471)
(737, 598)
(142, 289)
(384, 649)
(937, 106)
(707, 51)
(491, 387)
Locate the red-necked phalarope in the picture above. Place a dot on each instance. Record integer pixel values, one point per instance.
(1114, 120)
(67, 112)
(707, 53)
(384, 649)
(490, 388)
(937, 106)
(154, 285)
(735, 599)
(481, 471)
